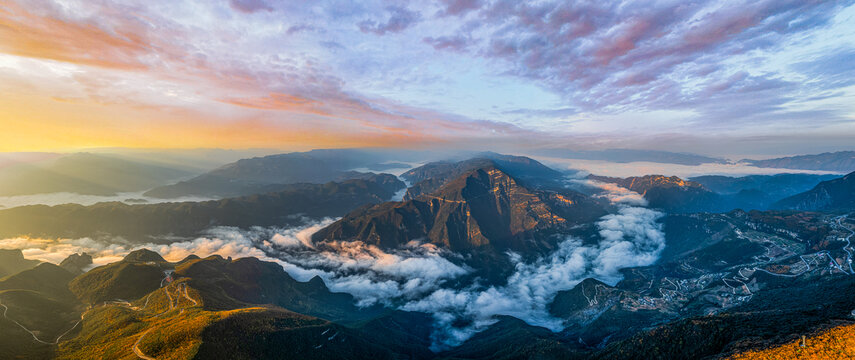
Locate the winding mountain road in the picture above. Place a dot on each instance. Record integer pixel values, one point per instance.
(139, 352)
(182, 292)
(187, 296)
(848, 240)
(173, 303)
(33, 334)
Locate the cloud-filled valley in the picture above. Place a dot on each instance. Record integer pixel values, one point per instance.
(419, 276)
(450, 179)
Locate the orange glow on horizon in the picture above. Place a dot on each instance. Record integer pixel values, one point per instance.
(43, 124)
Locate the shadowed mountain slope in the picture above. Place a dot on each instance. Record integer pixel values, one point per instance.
(12, 261)
(837, 194)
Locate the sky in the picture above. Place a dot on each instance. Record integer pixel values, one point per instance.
(710, 77)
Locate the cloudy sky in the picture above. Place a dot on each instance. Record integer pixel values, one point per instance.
(713, 77)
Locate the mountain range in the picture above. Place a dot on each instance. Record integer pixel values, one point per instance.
(776, 186)
(841, 161)
(704, 270)
(715, 193)
(698, 301)
(834, 195)
(631, 155)
(259, 174)
(85, 173)
(148, 222)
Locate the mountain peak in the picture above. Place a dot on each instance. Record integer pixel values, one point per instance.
(485, 207)
(144, 255)
(13, 261)
(432, 176)
(75, 263)
(642, 184)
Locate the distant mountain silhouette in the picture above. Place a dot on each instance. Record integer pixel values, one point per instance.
(775, 187)
(261, 174)
(631, 155)
(85, 173)
(13, 261)
(76, 263)
(841, 161)
(144, 221)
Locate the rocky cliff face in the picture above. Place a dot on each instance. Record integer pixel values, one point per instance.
(484, 208)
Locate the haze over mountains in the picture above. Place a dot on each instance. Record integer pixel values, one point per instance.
(137, 176)
(283, 206)
(835, 195)
(257, 175)
(427, 180)
(489, 256)
(842, 161)
(631, 155)
(84, 173)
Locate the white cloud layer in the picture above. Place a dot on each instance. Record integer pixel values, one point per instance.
(632, 237)
(417, 277)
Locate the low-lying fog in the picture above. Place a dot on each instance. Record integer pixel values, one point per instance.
(72, 198)
(417, 277)
(640, 168)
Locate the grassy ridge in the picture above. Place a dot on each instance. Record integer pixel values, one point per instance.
(835, 343)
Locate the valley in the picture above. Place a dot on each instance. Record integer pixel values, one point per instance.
(427, 180)
(479, 254)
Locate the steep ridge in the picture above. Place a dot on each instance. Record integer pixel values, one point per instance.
(831, 195)
(146, 222)
(432, 176)
(484, 208)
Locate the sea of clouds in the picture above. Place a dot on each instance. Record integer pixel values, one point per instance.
(419, 276)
